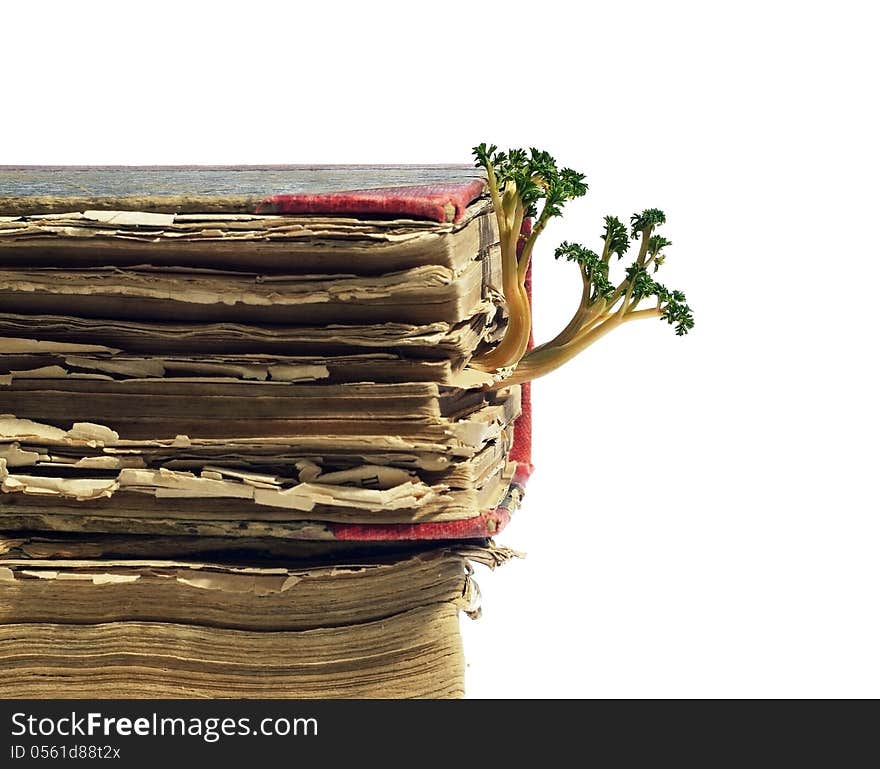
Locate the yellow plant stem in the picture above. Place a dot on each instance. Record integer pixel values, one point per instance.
(539, 362)
(516, 338)
(513, 239)
(525, 331)
(654, 312)
(493, 190)
(529, 246)
(510, 349)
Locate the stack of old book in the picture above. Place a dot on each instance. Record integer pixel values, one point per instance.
(241, 450)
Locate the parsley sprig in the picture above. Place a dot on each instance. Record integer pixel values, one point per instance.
(529, 185)
(522, 185)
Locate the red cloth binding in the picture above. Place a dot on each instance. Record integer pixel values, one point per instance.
(521, 451)
(487, 524)
(444, 202)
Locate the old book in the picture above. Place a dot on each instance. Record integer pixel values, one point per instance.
(375, 626)
(112, 336)
(419, 295)
(56, 479)
(280, 361)
(202, 266)
(193, 400)
(303, 244)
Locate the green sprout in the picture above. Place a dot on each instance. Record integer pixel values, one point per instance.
(528, 185)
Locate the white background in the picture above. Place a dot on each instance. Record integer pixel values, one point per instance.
(704, 516)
